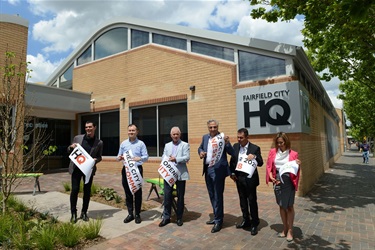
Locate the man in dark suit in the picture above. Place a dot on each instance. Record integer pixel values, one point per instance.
(94, 147)
(246, 184)
(213, 150)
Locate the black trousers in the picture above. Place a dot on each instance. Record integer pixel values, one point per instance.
(129, 197)
(76, 178)
(168, 199)
(248, 199)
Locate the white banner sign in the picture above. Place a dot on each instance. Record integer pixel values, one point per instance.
(83, 161)
(245, 165)
(168, 170)
(134, 177)
(217, 144)
(289, 167)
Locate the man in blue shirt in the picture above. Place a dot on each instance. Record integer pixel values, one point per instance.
(140, 155)
(365, 151)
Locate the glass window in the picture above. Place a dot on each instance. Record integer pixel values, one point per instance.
(170, 41)
(85, 57)
(255, 67)
(66, 78)
(107, 129)
(145, 119)
(156, 122)
(109, 132)
(53, 132)
(111, 42)
(212, 50)
(139, 38)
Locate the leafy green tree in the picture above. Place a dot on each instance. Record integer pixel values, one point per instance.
(338, 34)
(359, 105)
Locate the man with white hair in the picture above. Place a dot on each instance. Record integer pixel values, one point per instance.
(177, 151)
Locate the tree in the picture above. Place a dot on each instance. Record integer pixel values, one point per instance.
(338, 34)
(15, 157)
(359, 106)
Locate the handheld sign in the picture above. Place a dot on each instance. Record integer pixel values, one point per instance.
(217, 143)
(83, 161)
(134, 177)
(289, 167)
(168, 170)
(245, 165)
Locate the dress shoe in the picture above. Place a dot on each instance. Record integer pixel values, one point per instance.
(244, 224)
(73, 219)
(179, 222)
(138, 219)
(254, 230)
(216, 228)
(84, 216)
(164, 222)
(210, 222)
(129, 218)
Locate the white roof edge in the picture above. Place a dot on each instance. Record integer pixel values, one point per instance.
(15, 19)
(182, 30)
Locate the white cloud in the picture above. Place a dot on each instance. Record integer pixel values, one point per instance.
(284, 32)
(41, 67)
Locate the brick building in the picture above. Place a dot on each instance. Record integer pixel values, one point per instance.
(159, 75)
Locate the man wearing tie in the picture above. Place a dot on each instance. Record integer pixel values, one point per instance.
(213, 150)
(179, 152)
(246, 184)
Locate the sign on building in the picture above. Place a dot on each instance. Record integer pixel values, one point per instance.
(273, 108)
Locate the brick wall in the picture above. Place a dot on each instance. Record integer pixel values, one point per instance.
(148, 73)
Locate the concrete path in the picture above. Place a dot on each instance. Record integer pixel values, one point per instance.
(339, 213)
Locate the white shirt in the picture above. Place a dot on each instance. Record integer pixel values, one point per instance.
(281, 158)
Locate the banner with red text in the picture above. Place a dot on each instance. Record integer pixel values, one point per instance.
(245, 165)
(168, 170)
(134, 177)
(217, 144)
(83, 161)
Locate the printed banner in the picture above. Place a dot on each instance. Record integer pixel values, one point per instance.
(83, 161)
(217, 148)
(168, 170)
(245, 165)
(134, 177)
(289, 167)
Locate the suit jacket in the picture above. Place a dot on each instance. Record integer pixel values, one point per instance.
(251, 149)
(96, 152)
(293, 155)
(182, 157)
(222, 166)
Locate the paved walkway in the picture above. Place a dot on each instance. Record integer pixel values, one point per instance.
(339, 213)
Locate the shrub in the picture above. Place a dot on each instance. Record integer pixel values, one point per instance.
(67, 187)
(118, 198)
(5, 226)
(69, 234)
(45, 237)
(92, 229)
(108, 193)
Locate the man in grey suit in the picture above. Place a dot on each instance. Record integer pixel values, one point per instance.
(94, 147)
(178, 151)
(215, 169)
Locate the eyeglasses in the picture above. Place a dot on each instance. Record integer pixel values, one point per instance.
(212, 127)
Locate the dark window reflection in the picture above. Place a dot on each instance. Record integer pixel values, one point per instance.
(111, 42)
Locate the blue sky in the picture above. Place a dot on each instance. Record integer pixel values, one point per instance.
(56, 27)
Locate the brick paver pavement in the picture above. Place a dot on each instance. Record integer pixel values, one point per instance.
(339, 213)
